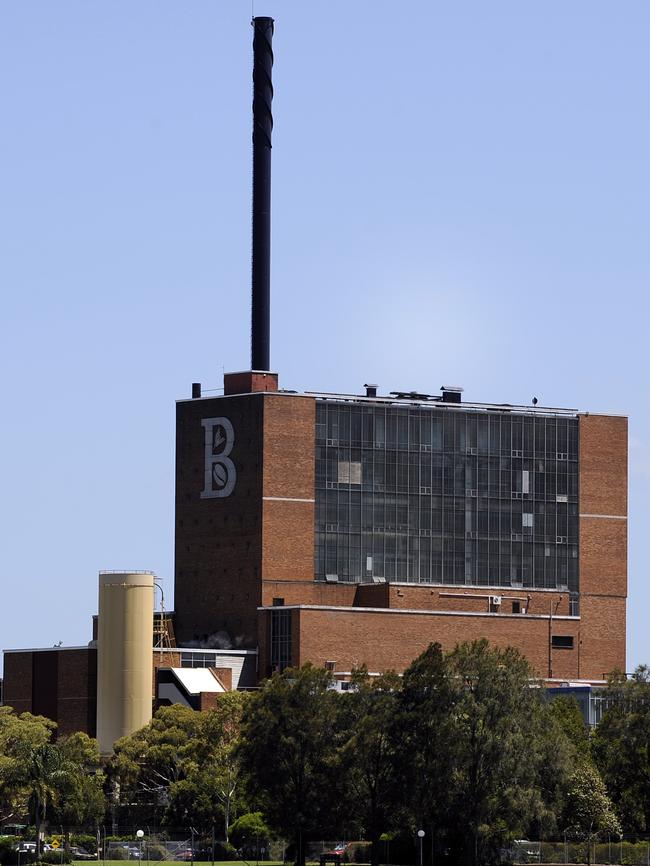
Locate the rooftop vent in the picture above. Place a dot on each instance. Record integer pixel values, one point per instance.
(412, 395)
(451, 393)
(371, 390)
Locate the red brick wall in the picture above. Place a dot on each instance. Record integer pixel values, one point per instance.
(475, 599)
(410, 597)
(603, 556)
(208, 700)
(603, 543)
(603, 465)
(224, 676)
(390, 641)
(249, 382)
(288, 488)
(602, 645)
(310, 592)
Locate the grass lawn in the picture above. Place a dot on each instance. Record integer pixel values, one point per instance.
(184, 862)
(252, 862)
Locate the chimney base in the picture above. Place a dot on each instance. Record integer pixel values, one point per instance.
(249, 382)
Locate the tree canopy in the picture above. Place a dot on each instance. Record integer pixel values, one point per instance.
(464, 745)
(288, 750)
(621, 748)
(183, 766)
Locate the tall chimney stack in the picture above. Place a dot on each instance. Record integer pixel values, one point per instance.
(262, 130)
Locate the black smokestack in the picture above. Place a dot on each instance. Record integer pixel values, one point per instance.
(262, 129)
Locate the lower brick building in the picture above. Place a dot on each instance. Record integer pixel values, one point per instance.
(60, 683)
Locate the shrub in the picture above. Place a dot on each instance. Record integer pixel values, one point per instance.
(360, 853)
(59, 856)
(155, 851)
(250, 828)
(7, 854)
(85, 841)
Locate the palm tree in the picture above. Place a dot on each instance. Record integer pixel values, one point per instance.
(45, 772)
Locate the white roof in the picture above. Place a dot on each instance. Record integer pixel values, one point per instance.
(197, 680)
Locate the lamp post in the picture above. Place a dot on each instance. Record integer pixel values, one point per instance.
(420, 837)
(140, 835)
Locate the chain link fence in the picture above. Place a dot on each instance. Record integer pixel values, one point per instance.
(610, 851)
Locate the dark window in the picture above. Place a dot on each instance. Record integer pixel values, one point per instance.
(278, 602)
(280, 639)
(429, 494)
(562, 641)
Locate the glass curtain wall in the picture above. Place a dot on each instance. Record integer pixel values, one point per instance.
(437, 495)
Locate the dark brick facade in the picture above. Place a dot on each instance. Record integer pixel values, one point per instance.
(228, 548)
(218, 540)
(60, 684)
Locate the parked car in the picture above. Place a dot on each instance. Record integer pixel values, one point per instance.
(337, 851)
(185, 854)
(30, 847)
(80, 854)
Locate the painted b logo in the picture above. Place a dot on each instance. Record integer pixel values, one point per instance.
(220, 472)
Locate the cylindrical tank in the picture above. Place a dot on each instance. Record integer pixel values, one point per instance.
(124, 654)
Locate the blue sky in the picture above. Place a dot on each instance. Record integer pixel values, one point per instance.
(460, 194)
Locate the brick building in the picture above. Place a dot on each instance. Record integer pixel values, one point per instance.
(356, 529)
(348, 530)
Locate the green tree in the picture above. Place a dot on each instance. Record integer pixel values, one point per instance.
(222, 728)
(557, 750)
(621, 748)
(184, 765)
(567, 714)
(589, 811)
(288, 751)
(80, 799)
(425, 743)
(497, 720)
(250, 829)
(47, 772)
(19, 735)
(367, 756)
(34, 772)
(146, 764)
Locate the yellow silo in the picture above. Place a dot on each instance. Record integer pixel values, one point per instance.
(124, 654)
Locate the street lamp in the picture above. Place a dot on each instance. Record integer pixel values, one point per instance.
(140, 835)
(420, 837)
